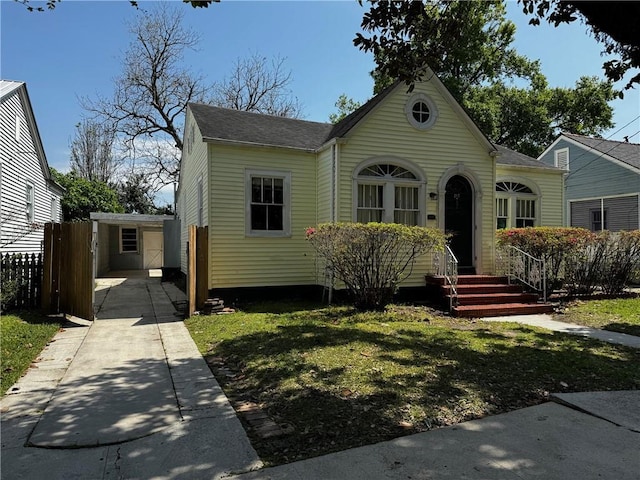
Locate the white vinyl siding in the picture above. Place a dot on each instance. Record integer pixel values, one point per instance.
(22, 219)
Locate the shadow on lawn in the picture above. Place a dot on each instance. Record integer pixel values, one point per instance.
(342, 386)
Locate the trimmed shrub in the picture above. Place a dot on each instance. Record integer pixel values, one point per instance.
(372, 259)
(621, 260)
(553, 244)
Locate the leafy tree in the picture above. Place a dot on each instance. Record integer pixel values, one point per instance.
(92, 153)
(529, 119)
(465, 43)
(613, 24)
(345, 106)
(406, 35)
(135, 194)
(257, 85)
(84, 196)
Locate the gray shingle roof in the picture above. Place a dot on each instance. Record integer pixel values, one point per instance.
(511, 157)
(218, 123)
(628, 153)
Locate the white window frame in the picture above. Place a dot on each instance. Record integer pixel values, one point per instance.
(560, 162)
(389, 185)
(137, 250)
(512, 198)
(30, 198)
(431, 105)
(525, 203)
(285, 176)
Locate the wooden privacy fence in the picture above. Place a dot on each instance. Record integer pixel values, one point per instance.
(21, 280)
(67, 285)
(198, 268)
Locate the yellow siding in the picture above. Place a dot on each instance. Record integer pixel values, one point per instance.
(386, 132)
(194, 165)
(238, 260)
(548, 182)
(325, 173)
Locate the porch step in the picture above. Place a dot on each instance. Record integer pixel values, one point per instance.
(496, 298)
(483, 288)
(503, 309)
(487, 296)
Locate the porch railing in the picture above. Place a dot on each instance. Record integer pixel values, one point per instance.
(523, 267)
(446, 265)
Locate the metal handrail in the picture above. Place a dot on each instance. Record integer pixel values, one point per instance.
(447, 266)
(527, 269)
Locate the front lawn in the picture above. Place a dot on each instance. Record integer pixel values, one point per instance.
(343, 379)
(24, 335)
(617, 314)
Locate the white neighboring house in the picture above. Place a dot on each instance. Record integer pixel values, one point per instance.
(29, 197)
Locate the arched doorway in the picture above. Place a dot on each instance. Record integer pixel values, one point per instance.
(458, 221)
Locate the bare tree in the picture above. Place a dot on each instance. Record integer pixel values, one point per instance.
(258, 85)
(92, 151)
(152, 93)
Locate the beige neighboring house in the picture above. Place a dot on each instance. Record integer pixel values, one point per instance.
(416, 157)
(29, 197)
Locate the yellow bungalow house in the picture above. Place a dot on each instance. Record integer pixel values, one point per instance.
(414, 157)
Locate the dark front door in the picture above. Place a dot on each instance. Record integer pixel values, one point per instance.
(458, 219)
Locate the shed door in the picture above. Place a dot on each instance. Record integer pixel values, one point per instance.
(152, 249)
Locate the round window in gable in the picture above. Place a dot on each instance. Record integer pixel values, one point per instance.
(421, 111)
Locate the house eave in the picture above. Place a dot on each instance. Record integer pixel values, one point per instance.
(530, 168)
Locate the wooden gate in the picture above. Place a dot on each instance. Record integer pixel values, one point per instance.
(198, 268)
(67, 285)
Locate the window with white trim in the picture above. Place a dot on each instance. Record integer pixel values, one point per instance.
(525, 213)
(29, 202)
(388, 193)
(421, 111)
(516, 205)
(561, 158)
(502, 212)
(128, 240)
(268, 203)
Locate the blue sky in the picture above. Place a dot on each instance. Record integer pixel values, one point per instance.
(74, 52)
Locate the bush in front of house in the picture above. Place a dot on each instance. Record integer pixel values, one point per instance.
(579, 260)
(621, 260)
(553, 244)
(372, 259)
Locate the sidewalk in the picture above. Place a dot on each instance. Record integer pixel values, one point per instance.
(137, 397)
(546, 321)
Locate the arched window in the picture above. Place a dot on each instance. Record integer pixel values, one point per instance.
(390, 193)
(516, 205)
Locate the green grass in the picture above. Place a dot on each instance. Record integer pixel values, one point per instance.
(23, 336)
(345, 379)
(617, 314)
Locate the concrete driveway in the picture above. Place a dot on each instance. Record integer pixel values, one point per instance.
(126, 396)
